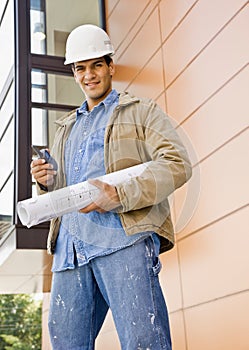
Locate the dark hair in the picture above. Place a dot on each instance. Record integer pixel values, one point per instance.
(107, 59)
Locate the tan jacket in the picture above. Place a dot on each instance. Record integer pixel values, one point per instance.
(138, 131)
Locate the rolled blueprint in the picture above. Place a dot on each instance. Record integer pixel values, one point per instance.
(53, 204)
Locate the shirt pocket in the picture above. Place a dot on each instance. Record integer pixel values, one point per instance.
(95, 154)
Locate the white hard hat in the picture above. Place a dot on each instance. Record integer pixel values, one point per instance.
(87, 42)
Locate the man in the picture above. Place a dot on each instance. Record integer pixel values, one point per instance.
(107, 254)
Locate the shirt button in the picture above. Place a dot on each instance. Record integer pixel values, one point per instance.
(84, 133)
(76, 168)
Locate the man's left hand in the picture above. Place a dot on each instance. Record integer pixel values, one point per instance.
(107, 200)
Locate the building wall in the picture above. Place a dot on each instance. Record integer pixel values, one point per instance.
(191, 57)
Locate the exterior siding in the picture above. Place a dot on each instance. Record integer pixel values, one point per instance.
(191, 57)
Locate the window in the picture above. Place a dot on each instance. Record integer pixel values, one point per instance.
(6, 115)
(52, 21)
(44, 87)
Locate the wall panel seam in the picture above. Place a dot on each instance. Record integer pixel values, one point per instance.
(213, 94)
(182, 295)
(205, 46)
(211, 223)
(112, 10)
(162, 57)
(180, 22)
(138, 31)
(244, 291)
(134, 24)
(221, 146)
(159, 48)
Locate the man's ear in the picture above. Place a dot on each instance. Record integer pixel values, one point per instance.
(75, 77)
(112, 68)
(73, 70)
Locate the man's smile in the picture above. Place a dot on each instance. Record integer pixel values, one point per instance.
(92, 83)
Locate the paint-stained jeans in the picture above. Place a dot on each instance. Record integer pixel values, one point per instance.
(127, 282)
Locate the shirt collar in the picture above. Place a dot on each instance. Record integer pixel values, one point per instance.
(109, 100)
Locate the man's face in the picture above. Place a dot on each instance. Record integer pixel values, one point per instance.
(94, 78)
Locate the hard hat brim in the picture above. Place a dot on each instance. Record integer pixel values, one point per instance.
(88, 57)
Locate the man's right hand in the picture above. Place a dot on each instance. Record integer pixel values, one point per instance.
(42, 172)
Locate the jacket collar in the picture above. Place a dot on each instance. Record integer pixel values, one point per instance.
(66, 118)
(125, 98)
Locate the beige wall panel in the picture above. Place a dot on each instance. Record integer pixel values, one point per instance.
(108, 325)
(108, 337)
(13, 283)
(137, 15)
(123, 18)
(36, 256)
(222, 117)
(138, 54)
(177, 331)
(120, 84)
(46, 345)
(185, 202)
(170, 280)
(21, 284)
(223, 58)
(224, 185)
(215, 261)
(220, 325)
(198, 28)
(172, 13)
(109, 6)
(161, 102)
(149, 83)
(108, 341)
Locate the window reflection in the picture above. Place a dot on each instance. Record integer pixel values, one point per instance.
(55, 89)
(6, 200)
(39, 86)
(6, 206)
(7, 42)
(6, 111)
(37, 27)
(52, 20)
(7, 154)
(39, 120)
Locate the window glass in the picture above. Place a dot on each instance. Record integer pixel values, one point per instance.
(44, 127)
(6, 112)
(2, 6)
(6, 206)
(7, 42)
(52, 21)
(6, 200)
(52, 127)
(55, 88)
(7, 153)
(39, 119)
(63, 89)
(51, 116)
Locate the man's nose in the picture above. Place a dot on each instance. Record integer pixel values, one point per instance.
(89, 73)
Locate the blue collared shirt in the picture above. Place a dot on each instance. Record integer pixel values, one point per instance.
(93, 234)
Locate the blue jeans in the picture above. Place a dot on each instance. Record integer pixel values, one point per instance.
(127, 282)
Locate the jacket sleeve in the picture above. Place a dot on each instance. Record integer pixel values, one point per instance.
(169, 168)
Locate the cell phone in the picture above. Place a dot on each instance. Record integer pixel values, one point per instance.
(44, 154)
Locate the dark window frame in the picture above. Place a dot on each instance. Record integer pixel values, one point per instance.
(25, 62)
